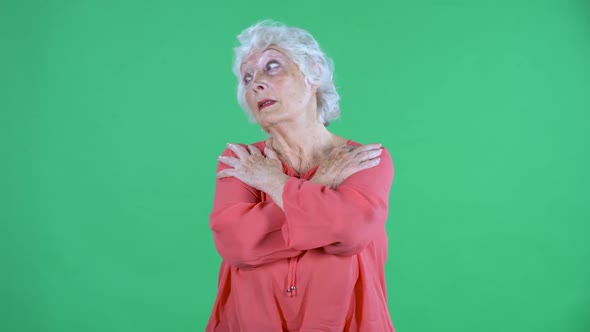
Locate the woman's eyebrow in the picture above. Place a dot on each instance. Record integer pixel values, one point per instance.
(273, 49)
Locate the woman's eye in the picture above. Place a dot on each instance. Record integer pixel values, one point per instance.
(247, 78)
(272, 65)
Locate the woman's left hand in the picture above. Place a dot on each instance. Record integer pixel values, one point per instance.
(252, 168)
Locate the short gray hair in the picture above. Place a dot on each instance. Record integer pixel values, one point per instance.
(303, 50)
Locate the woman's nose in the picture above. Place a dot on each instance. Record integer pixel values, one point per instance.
(258, 84)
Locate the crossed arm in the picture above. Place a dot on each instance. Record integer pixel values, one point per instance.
(338, 212)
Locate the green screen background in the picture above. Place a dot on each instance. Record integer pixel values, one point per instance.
(113, 113)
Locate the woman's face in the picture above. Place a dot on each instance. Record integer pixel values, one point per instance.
(275, 87)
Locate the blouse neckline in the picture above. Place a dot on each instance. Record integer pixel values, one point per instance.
(305, 175)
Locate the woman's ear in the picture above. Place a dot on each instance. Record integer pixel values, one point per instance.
(312, 86)
(318, 72)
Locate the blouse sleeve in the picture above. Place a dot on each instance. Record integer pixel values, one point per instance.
(342, 220)
(246, 230)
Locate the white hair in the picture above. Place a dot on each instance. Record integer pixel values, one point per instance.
(303, 50)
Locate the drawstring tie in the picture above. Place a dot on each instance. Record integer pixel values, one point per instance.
(291, 289)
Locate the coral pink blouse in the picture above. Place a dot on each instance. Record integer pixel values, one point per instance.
(315, 265)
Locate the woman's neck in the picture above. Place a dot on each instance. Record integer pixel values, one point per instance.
(302, 147)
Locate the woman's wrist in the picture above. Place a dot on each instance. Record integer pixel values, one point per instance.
(323, 180)
(317, 178)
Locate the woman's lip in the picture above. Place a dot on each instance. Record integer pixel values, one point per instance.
(268, 103)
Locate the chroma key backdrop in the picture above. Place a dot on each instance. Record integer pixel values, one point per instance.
(113, 113)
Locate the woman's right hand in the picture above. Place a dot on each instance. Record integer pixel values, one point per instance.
(344, 161)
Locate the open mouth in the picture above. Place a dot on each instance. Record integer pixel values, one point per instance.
(265, 103)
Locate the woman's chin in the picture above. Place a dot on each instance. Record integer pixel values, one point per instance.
(270, 113)
(271, 120)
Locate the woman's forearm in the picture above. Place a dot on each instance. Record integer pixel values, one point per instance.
(274, 188)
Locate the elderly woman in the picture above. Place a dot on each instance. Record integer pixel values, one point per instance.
(299, 219)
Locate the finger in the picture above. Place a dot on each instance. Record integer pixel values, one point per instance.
(238, 150)
(270, 153)
(254, 150)
(369, 163)
(230, 161)
(346, 147)
(367, 147)
(366, 155)
(228, 172)
(339, 150)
